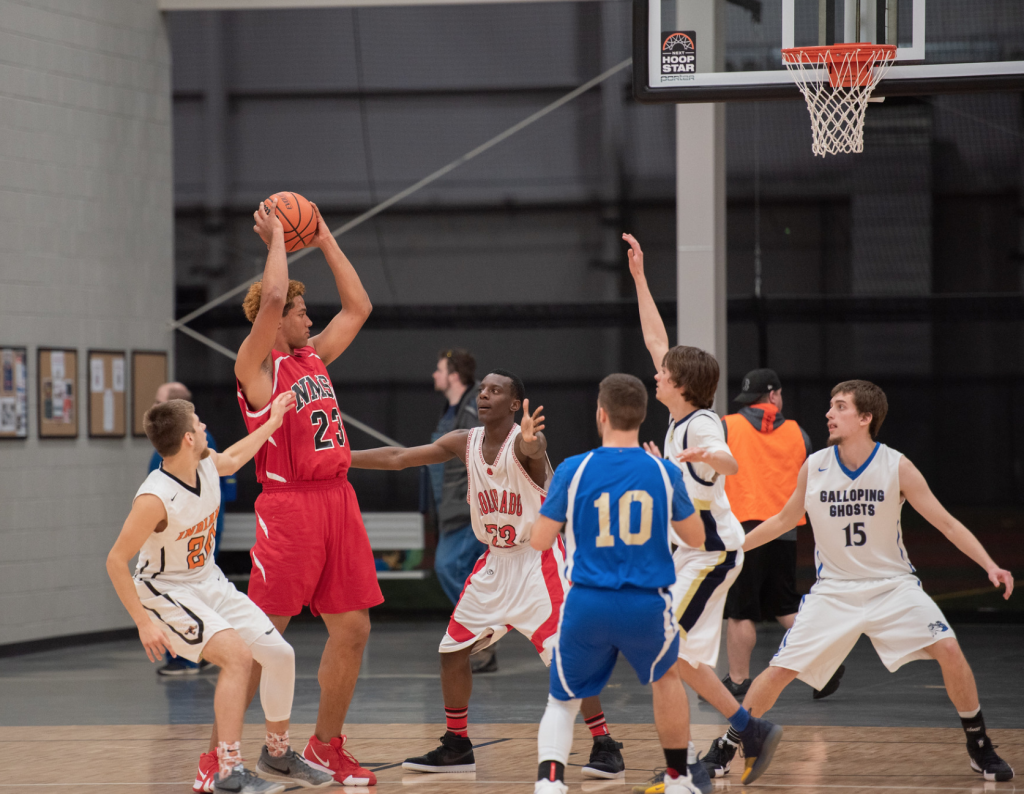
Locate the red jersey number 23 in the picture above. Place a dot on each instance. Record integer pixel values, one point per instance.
(322, 427)
(503, 537)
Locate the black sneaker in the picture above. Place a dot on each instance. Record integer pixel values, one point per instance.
(605, 760)
(485, 661)
(718, 759)
(760, 740)
(832, 685)
(984, 760)
(454, 755)
(736, 690)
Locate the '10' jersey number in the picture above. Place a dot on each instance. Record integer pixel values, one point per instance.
(323, 425)
(639, 538)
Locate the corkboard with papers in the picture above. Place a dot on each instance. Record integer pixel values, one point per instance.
(13, 392)
(57, 392)
(106, 376)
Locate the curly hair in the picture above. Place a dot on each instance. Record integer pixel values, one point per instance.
(251, 304)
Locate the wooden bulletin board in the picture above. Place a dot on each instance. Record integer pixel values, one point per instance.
(107, 409)
(149, 372)
(57, 393)
(13, 392)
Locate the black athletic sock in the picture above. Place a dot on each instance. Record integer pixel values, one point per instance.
(676, 759)
(974, 726)
(551, 770)
(733, 736)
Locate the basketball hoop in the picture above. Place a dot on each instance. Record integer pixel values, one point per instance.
(837, 105)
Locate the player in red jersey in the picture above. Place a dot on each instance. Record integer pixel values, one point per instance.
(311, 545)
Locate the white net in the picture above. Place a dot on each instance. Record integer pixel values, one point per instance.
(837, 83)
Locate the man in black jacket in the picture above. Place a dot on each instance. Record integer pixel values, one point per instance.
(457, 546)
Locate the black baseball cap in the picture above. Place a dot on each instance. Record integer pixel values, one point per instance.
(756, 383)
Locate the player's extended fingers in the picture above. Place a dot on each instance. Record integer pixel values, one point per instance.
(526, 407)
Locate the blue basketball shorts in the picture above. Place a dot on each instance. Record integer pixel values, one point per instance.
(597, 624)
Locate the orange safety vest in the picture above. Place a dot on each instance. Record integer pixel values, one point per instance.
(770, 462)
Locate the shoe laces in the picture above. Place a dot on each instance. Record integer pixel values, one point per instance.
(986, 750)
(345, 755)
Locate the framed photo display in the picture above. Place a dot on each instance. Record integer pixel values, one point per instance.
(57, 392)
(13, 392)
(107, 396)
(149, 372)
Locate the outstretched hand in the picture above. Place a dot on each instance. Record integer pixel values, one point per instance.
(651, 447)
(282, 403)
(695, 455)
(267, 221)
(635, 256)
(532, 424)
(1000, 576)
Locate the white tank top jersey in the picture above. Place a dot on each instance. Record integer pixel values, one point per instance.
(706, 487)
(183, 552)
(503, 500)
(855, 516)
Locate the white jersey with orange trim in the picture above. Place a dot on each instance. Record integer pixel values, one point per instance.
(183, 551)
(504, 500)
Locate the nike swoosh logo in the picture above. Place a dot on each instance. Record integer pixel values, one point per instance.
(318, 758)
(174, 497)
(825, 469)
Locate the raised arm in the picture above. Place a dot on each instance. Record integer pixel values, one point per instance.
(355, 303)
(238, 454)
(252, 367)
(147, 515)
(532, 445)
(655, 334)
(783, 521)
(915, 488)
(450, 445)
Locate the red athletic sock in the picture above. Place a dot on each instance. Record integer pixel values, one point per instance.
(598, 726)
(458, 720)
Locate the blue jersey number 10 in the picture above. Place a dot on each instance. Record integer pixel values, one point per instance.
(604, 520)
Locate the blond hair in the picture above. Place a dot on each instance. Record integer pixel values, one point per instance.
(251, 304)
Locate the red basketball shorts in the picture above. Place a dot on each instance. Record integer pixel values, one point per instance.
(311, 548)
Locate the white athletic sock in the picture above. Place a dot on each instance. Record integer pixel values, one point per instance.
(554, 739)
(691, 754)
(277, 684)
(969, 715)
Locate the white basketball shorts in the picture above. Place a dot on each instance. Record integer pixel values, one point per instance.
(190, 613)
(520, 589)
(896, 614)
(703, 579)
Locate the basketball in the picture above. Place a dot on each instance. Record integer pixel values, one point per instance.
(298, 218)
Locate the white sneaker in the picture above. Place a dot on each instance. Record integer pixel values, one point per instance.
(550, 787)
(680, 785)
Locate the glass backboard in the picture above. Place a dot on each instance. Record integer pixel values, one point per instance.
(721, 50)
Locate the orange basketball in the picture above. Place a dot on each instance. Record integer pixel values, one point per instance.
(298, 218)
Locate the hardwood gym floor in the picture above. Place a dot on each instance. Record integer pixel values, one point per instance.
(97, 718)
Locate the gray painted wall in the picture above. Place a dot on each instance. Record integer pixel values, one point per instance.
(86, 261)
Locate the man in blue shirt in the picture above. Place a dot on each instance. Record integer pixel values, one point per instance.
(622, 508)
(179, 665)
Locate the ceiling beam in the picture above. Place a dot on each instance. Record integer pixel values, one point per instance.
(253, 5)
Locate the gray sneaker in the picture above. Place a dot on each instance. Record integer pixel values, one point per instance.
(242, 781)
(292, 768)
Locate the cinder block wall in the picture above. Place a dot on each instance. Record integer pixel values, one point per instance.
(86, 261)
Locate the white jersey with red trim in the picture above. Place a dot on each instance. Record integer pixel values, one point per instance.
(504, 500)
(183, 551)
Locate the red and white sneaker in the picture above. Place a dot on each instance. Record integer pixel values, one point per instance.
(334, 759)
(207, 774)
